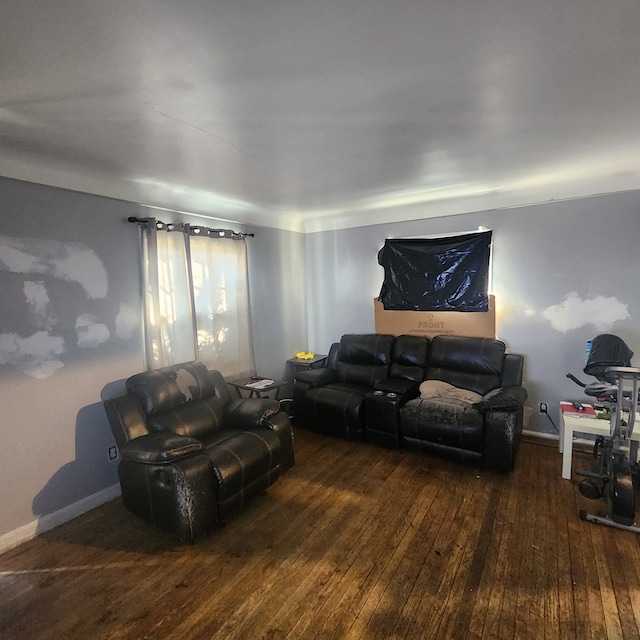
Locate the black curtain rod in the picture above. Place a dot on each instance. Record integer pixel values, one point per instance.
(195, 230)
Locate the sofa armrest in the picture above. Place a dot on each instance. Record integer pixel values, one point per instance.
(509, 398)
(503, 431)
(159, 448)
(316, 377)
(403, 387)
(503, 410)
(249, 413)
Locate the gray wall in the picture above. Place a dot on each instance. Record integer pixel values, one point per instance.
(70, 329)
(70, 333)
(563, 272)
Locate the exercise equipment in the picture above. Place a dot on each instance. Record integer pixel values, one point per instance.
(608, 358)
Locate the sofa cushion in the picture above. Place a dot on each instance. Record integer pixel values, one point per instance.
(468, 363)
(366, 349)
(161, 390)
(360, 374)
(445, 421)
(441, 389)
(364, 359)
(409, 359)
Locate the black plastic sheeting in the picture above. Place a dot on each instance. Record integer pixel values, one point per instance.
(436, 274)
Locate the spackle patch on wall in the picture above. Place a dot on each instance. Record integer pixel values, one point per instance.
(38, 303)
(69, 261)
(90, 332)
(126, 321)
(38, 355)
(574, 312)
(33, 348)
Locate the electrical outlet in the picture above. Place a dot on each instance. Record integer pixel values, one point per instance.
(543, 407)
(112, 453)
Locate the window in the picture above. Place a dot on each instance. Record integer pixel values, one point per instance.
(196, 297)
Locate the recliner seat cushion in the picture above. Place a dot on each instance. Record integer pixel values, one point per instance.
(193, 419)
(445, 421)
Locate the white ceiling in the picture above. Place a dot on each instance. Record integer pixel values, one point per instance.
(309, 115)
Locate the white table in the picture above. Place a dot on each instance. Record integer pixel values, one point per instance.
(592, 426)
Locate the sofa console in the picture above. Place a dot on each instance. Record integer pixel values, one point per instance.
(453, 395)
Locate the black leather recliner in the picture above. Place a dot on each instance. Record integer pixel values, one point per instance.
(190, 455)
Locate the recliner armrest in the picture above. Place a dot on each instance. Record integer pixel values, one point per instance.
(403, 387)
(281, 424)
(317, 377)
(509, 398)
(159, 448)
(249, 413)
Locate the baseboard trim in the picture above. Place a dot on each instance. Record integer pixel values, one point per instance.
(542, 435)
(51, 520)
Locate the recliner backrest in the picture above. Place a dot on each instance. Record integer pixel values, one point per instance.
(364, 359)
(161, 390)
(186, 399)
(409, 358)
(468, 363)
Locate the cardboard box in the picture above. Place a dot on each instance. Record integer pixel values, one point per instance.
(435, 323)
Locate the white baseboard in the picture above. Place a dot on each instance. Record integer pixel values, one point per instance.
(52, 520)
(540, 434)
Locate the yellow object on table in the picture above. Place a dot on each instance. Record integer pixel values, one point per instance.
(303, 355)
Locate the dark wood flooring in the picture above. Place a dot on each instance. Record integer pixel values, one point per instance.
(355, 542)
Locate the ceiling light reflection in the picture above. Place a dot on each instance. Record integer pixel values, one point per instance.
(200, 198)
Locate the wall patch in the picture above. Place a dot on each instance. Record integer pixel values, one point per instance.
(574, 312)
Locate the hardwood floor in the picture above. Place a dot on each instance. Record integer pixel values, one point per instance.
(355, 542)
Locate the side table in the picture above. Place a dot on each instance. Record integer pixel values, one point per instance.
(592, 426)
(300, 364)
(244, 385)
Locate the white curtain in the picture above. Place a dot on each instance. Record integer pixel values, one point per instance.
(196, 299)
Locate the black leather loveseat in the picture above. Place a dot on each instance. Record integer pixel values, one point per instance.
(455, 395)
(190, 455)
